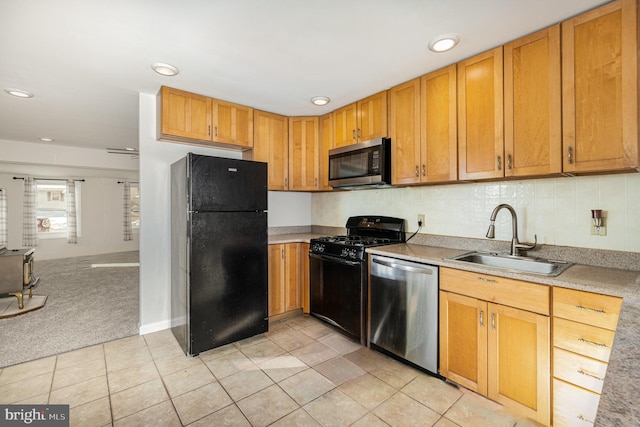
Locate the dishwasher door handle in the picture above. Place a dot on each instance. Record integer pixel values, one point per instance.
(404, 267)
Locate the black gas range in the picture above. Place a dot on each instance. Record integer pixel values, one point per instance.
(338, 271)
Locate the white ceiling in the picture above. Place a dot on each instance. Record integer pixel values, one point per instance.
(87, 60)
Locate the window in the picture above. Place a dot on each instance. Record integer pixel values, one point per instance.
(51, 208)
(134, 202)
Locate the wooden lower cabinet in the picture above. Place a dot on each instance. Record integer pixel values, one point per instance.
(498, 351)
(285, 278)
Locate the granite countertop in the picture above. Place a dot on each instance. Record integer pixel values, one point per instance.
(620, 399)
(275, 239)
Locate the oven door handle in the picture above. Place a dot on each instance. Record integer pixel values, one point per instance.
(338, 260)
(403, 267)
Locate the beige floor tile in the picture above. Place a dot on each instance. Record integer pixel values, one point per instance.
(432, 392)
(41, 399)
(230, 363)
(301, 322)
(400, 409)
(188, 379)
(78, 373)
(314, 353)
(163, 344)
(22, 390)
(394, 373)
(159, 338)
(367, 390)
(475, 410)
(133, 376)
(160, 415)
(367, 359)
(264, 350)
(137, 398)
(23, 371)
(171, 364)
(339, 343)
(244, 383)
(335, 409)
(201, 402)
(444, 422)
(290, 340)
(316, 331)
(230, 416)
(298, 418)
(92, 414)
(248, 342)
(277, 327)
(306, 386)
(281, 367)
(218, 352)
(369, 420)
(267, 406)
(81, 393)
(339, 370)
(80, 356)
(125, 358)
(124, 345)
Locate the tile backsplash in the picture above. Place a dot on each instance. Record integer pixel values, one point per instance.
(557, 210)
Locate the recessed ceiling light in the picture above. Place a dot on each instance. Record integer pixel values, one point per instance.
(320, 100)
(19, 93)
(45, 139)
(164, 69)
(444, 43)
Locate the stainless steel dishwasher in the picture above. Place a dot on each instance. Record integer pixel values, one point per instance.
(404, 310)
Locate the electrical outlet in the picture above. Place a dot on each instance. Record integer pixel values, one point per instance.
(421, 219)
(598, 231)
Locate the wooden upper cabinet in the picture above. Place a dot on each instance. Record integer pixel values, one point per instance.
(304, 163)
(404, 130)
(438, 125)
(232, 123)
(371, 115)
(326, 144)
(600, 89)
(532, 105)
(271, 145)
(344, 126)
(480, 116)
(184, 115)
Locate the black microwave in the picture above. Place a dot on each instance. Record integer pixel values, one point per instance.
(361, 165)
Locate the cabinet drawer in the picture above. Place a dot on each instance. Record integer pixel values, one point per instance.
(582, 339)
(513, 293)
(573, 406)
(587, 307)
(579, 370)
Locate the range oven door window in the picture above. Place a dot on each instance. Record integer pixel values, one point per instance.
(338, 293)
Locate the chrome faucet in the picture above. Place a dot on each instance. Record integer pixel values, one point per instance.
(516, 246)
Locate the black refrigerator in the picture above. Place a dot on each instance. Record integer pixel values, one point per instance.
(219, 269)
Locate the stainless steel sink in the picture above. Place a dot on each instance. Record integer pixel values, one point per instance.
(517, 263)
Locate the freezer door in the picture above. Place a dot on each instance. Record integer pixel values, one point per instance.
(228, 278)
(228, 185)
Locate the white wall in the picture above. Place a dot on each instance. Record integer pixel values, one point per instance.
(556, 209)
(101, 195)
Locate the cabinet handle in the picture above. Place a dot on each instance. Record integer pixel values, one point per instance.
(570, 155)
(598, 344)
(581, 307)
(481, 318)
(353, 134)
(487, 280)
(359, 135)
(282, 252)
(424, 170)
(286, 182)
(216, 130)
(209, 130)
(315, 181)
(509, 165)
(582, 372)
(417, 173)
(493, 321)
(499, 162)
(582, 418)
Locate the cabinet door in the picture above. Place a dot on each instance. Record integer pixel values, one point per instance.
(276, 279)
(519, 361)
(480, 116)
(292, 288)
(232, 123)
(532, 112)
(372, 117)
(185, 115)
(304, 277)
(463, 341)
(438, 124)
(404, 130)
(344, 126)
(271, 145)
(600, 89)
(326, 144)
(304, 164)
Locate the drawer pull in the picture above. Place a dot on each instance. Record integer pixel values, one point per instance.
(582, 372)
(582, 418)
(592, 342)
(487, 280)
(581, 307)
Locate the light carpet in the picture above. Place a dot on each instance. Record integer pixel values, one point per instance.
(85, 306)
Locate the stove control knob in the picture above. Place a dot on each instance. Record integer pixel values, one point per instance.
(317, 247)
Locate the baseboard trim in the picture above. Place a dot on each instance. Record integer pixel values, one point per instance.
(155, 327)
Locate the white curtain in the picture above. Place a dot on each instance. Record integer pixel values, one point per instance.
(29, 224)
(4, 238)
(72, 218)
(126, 211)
